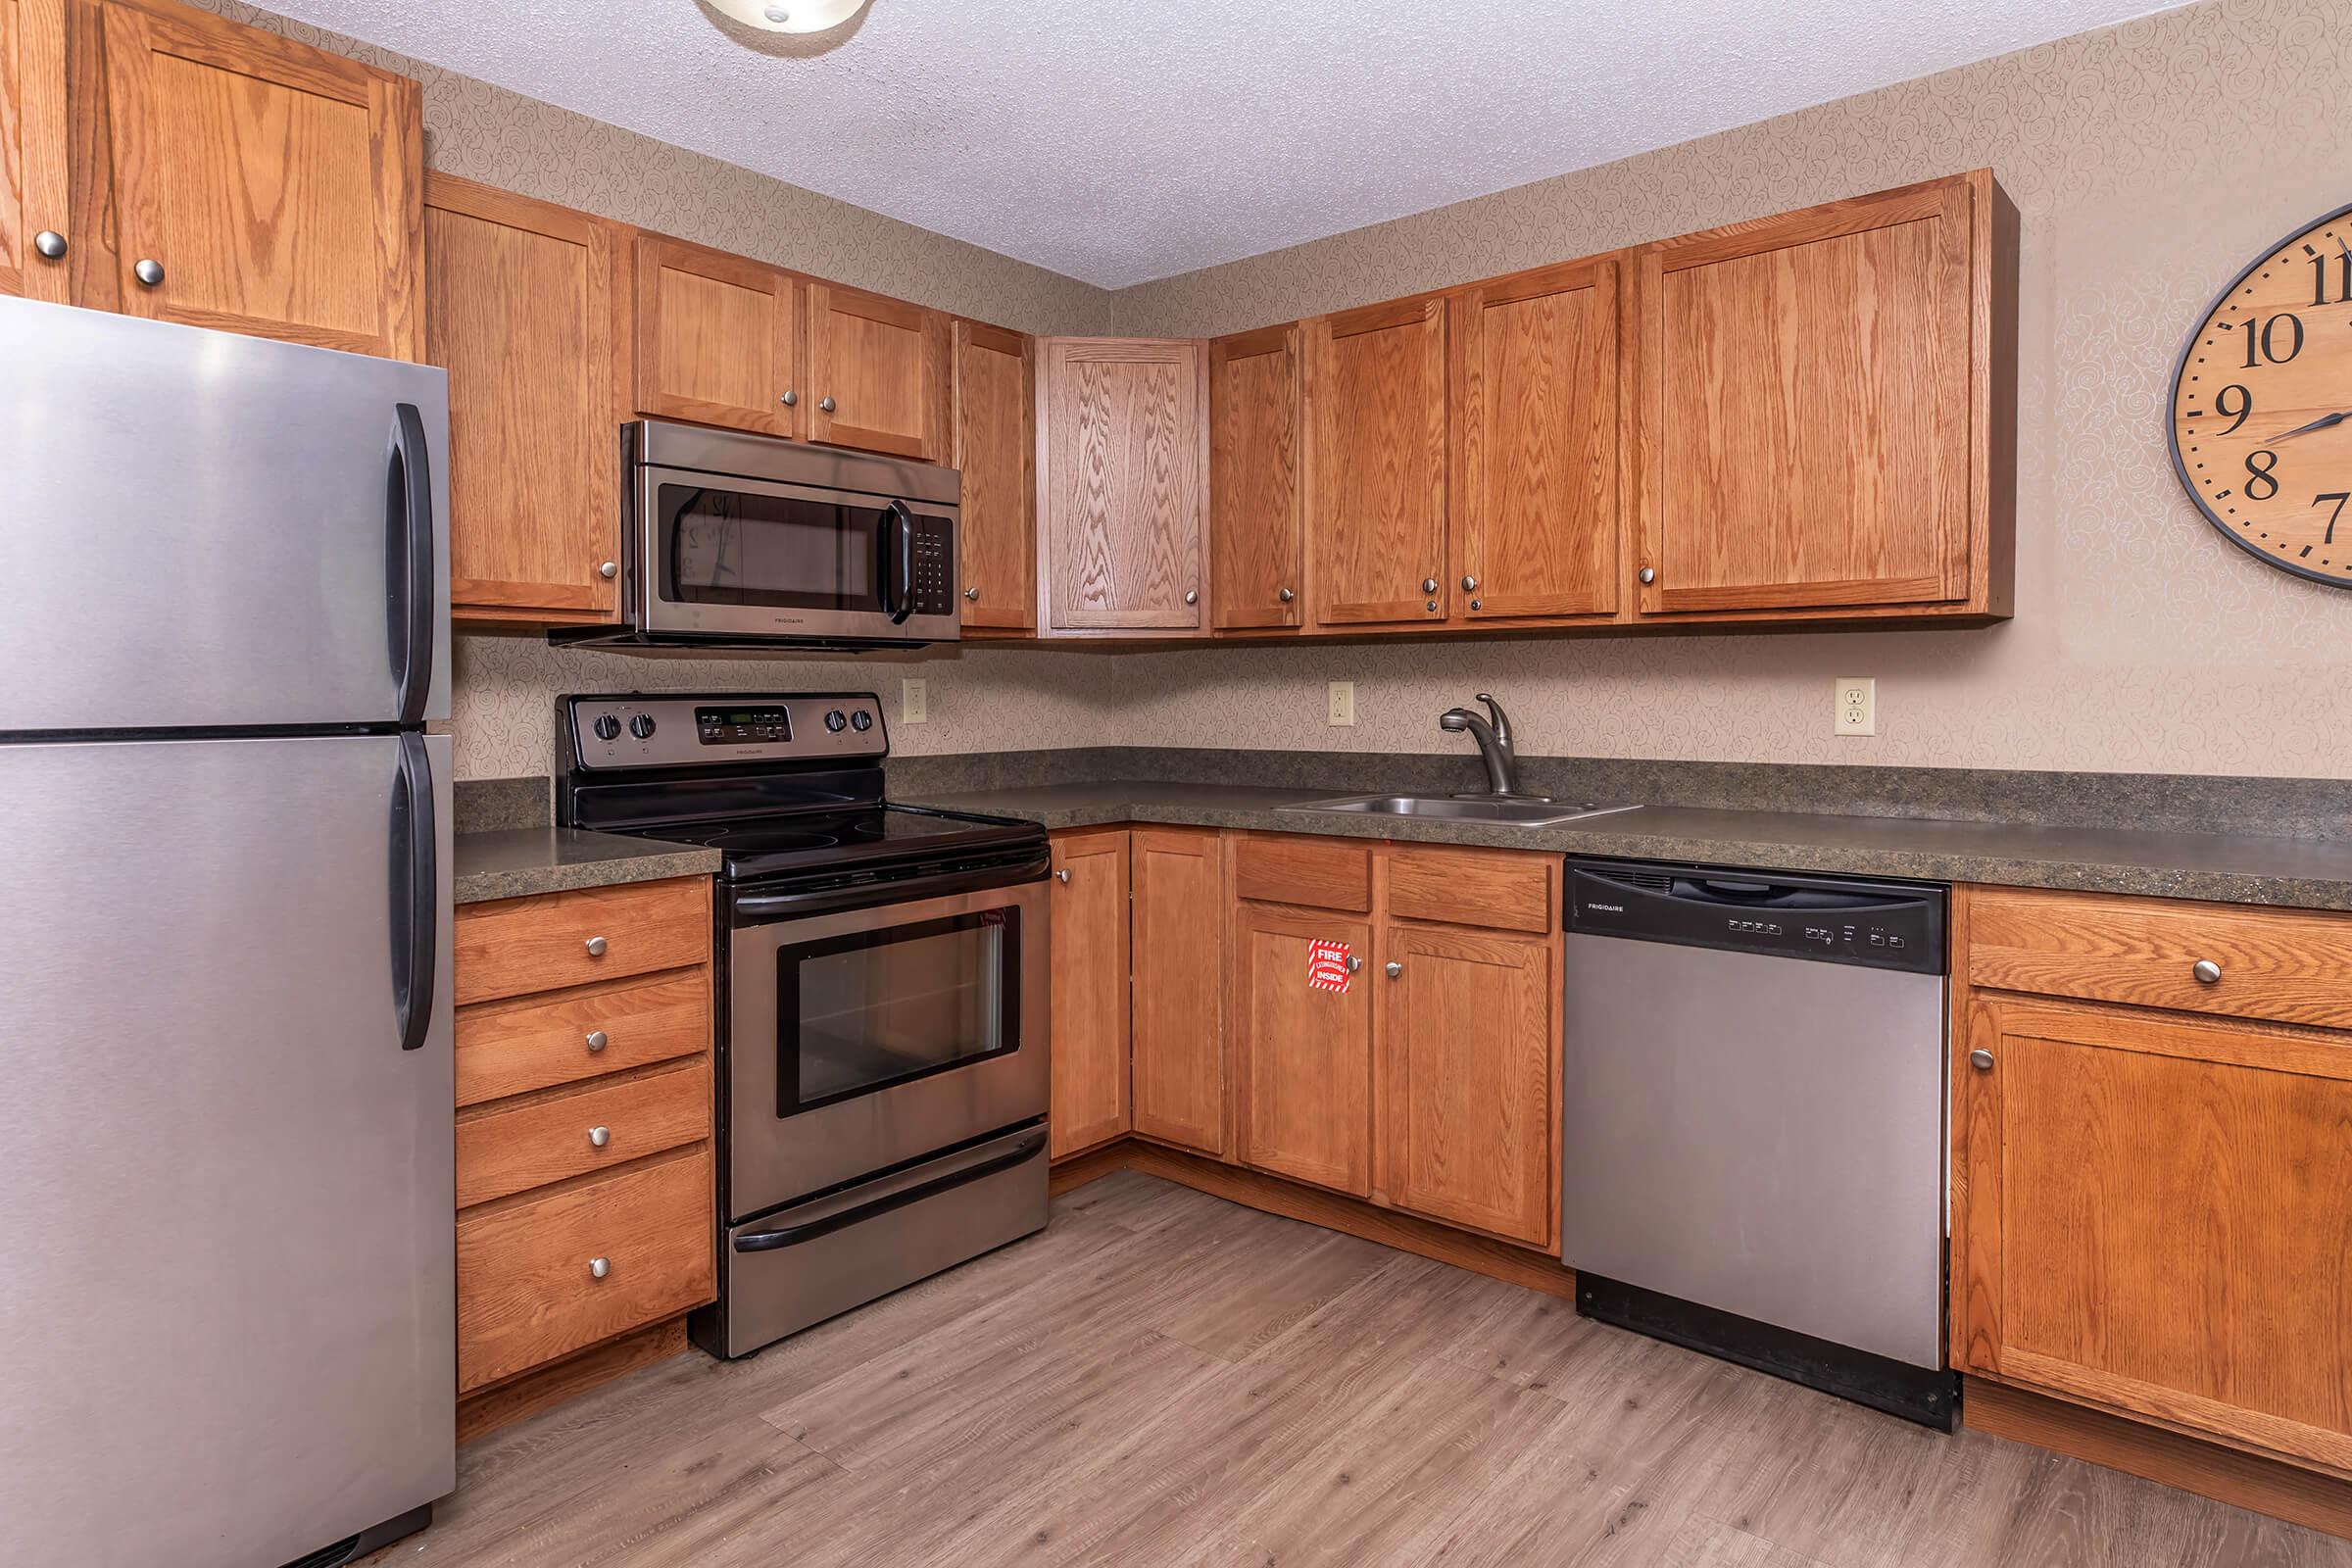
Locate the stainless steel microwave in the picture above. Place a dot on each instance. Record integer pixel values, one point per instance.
(747, 541)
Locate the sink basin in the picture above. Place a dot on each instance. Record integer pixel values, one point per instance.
(1452, 809)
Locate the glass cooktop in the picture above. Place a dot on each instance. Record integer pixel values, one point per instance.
(800, 840)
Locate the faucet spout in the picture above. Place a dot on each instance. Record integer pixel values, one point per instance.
(1494, 747)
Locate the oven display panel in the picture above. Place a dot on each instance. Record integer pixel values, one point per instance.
(732, 726)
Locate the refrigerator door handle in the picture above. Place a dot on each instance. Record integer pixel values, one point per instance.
(416, 885)
(409, 559)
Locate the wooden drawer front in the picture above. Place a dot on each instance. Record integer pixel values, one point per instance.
(2291, 965)
(1502, 890)
(525, 1293)
(512, 1049)
(519, 946)
(511, 1151)
(1320, 873)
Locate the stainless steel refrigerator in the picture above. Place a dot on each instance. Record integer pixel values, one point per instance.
(226, 1253)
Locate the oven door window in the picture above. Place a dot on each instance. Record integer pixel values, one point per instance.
(861, 1012)
(744, 547)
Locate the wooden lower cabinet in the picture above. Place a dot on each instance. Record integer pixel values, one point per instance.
(2156, 1218)
(1088, 1018)
(1176, 930)
(1305, 1053)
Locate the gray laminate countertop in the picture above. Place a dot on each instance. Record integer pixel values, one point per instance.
(515, 862)
(2227, 867)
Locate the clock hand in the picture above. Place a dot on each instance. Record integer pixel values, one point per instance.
(2320, 423)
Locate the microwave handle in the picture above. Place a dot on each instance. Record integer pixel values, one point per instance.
(898, 562)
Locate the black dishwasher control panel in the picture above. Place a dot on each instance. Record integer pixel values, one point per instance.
(1878, 926)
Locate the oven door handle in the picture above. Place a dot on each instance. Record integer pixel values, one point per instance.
(758, 909)
(1021, 1153)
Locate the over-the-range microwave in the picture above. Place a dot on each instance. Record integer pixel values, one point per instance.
(741, 541)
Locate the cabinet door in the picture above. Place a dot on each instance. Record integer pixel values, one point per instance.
(519, 311)
(1377, 547)
(1534, 475)
(2156, 1216)
(1304, 1055)
(879, 369)
(1468, 1064)
(1802, 425)
(1256, 477)
(268, 187)
(1178, 960)
(718, 339)
(33, 147)
(1124, 439)
(1088, 1098)
(996, 448)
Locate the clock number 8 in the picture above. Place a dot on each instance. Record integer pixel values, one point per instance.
(2261, 483)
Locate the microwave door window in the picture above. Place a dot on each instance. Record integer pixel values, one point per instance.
(726, 547)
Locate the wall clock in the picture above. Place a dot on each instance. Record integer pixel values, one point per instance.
(2262, 405)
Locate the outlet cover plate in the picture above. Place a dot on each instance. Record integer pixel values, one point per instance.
(914, 702)
(1342, 697)
(1855, 708)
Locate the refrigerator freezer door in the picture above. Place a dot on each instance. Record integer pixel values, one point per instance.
(230, 1262)
(208, 530)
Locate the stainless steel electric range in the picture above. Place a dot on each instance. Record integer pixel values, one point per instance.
(882, 995)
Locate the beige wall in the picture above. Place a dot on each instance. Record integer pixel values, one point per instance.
(2148, 161)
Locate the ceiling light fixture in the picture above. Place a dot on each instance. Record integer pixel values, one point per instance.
(790, 15)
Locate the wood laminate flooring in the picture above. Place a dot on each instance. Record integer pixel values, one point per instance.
(1161, 1377)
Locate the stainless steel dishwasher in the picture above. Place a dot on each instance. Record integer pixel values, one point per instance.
(1752, 1139)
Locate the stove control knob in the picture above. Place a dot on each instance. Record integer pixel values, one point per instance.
(642, 726)
(861, 722)
(835, 723)
(608, 727)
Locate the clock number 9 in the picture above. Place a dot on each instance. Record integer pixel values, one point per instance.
(2261, 483)
(2264, 345)
(2238, 414)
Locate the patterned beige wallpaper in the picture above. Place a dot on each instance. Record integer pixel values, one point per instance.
(2149, 161)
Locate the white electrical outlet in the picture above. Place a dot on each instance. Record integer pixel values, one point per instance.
(914, 702)
(1342, 701)
(1855, 710)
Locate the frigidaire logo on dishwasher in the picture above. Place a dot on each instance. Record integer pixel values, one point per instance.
(1607, 909)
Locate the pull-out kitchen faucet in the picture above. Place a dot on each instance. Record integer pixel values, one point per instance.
(1494, 746)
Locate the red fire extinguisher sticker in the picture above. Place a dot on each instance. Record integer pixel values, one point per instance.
(1327, 965)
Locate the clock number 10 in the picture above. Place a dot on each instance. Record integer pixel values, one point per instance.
(2266, 343)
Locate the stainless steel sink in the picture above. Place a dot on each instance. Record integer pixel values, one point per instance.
(1458, 808)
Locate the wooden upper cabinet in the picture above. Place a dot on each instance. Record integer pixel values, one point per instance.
(718, 339)
(1813, 422)
(996, 448)
(1534, 472)
(1304, 1055)
(1257, 490)
(1176, 927)
(1088, 1015)
(1467, 1035)
(1377, 387)
(33, 147)
(1124, 454)
(519, 311)
(878, 373)
(2156, 1218)
(262, 186)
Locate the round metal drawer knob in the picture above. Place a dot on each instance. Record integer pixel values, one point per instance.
(1354, 963)
(791, 400)
(825, 403)
(1649, 574)
(596, 946)
(599, 1137)
(148, 271)
(608, 569)
(1396, 969)
(1980, 1059)
(2208, 973)
(1062, 877)
(598, 1268)
(972, 594)
(598, 1040)
(51, 245)
(1469, 585)
(1428, 585)
(1286, 596)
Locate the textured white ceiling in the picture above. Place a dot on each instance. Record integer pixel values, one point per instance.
(1117, 141)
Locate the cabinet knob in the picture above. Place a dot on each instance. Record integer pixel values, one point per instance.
(148, 271)
(1192, 596)
(791, 400)
(825, 403)
(1431, 606)
(596, 946)
(1285, 595)
(1469, 584)
(1354, 963)
(972, 594)
(1980, 1059)
(2208, 973)
(1478, 604)
(599, 1137)
(598, 1040)
(1062, 877)
(598, 1268)
(1649, 574)
(1428, 585)
(51, 245)
(1394, 969)
(608, 569)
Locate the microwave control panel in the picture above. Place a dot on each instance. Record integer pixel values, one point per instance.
(934, 565)
(659, 730)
